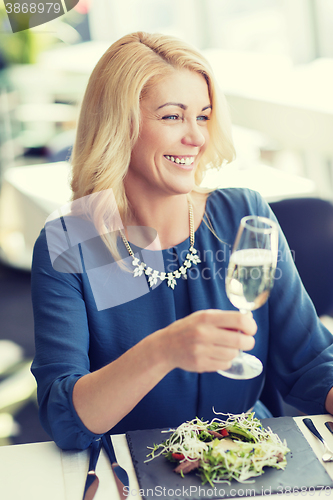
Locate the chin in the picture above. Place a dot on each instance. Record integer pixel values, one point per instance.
(183, 186)
(181, 190)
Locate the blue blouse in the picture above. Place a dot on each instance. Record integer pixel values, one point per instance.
(83, 321)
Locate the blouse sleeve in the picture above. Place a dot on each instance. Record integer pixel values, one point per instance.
(62, 344)
(300, 356)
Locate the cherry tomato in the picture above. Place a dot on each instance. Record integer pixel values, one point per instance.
(178, 456)
(224, 432)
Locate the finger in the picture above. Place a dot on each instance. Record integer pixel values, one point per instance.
(225, 354)
(211, 360)
(212, 336)
(233, 339)
(229, 319)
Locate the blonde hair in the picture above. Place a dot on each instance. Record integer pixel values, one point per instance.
(109, 121)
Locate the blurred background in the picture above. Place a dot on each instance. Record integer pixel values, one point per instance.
(274, 61)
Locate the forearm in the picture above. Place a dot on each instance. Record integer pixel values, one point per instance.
(104, 397)
(203, 341)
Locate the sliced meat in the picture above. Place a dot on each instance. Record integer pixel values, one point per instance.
(187, 466)
(215, 434)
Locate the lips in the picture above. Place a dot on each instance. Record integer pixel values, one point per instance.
(181, 160)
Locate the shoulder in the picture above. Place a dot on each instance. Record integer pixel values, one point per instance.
(235, 202)
(40, 251)
(224, 210)
(56, 249)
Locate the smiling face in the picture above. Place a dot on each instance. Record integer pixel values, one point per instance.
(173, 136)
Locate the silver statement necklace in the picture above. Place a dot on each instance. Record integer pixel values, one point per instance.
(171, 278)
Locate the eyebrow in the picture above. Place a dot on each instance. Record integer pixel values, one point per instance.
(182, 106)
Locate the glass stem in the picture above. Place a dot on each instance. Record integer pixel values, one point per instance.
(242, 311)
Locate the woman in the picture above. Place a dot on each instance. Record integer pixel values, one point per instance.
(151, 123)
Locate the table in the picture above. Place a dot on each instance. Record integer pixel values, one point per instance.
(30, 194)
(41, 470)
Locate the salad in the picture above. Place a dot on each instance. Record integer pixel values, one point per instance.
(238, 447)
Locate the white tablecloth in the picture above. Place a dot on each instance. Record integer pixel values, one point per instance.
(42, 471)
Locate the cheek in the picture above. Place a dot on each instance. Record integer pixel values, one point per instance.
(141, 148)
(148, 142)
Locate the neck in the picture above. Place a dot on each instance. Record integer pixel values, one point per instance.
(168, 216)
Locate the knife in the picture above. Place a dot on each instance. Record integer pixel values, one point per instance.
(120, 475)
(92, 480)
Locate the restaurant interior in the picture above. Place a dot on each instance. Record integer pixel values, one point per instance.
(273, 59)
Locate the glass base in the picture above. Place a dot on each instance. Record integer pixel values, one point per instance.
(244, 366)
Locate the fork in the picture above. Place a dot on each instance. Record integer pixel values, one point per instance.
(328, 455)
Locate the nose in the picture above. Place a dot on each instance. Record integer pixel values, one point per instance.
(194, 136)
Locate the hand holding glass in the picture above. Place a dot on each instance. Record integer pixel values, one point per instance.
(250, 279)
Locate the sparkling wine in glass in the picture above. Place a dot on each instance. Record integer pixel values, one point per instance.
(250, 279)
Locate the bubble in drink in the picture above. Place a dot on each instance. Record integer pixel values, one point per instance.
(250, 278)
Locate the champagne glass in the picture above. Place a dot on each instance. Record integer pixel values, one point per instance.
(250, 279)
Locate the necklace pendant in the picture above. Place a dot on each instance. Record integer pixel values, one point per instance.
(171, 281)
(139, 268)
(152, 280)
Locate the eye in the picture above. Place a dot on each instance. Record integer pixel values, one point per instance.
(170, 117)
(203, 118)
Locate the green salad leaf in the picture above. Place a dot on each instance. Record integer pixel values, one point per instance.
(237, 447)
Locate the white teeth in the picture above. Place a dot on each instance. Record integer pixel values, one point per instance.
(182, 161)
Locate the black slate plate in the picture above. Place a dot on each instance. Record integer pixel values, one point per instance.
(304, 471)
